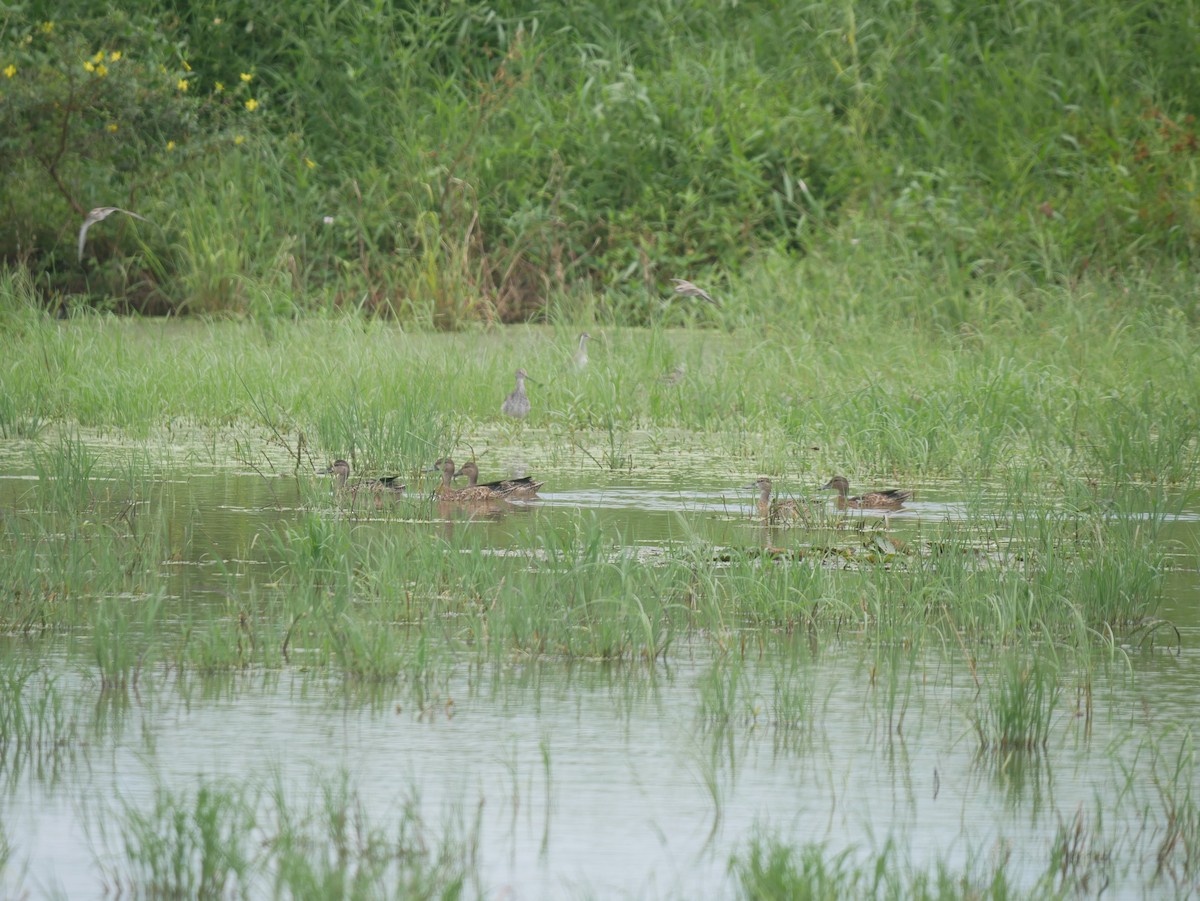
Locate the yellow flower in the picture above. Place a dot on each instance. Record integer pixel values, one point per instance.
(47, 27)
(115, 55)
(240, 139)
(99, 57)
(170, 146)
(89, 66)
(309, 163)
(111, 126)
(102, 70)
(10, 70)
(246, 76)
(219, 87)
(181, 84)
(252, 104)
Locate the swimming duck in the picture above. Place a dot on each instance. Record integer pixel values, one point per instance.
(472, 494)
(888, 499)
(523, 487)
(340, 470)
(777, 511)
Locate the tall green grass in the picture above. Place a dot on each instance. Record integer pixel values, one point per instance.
(870, 392)
(550, 151)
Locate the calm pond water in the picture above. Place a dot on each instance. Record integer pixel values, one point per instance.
(601, 780)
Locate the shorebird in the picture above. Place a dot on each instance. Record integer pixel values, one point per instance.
(523, 487)
(581, 355)
(675, 376)
(517, 404)
(888, 499)
(684, 288)
(773, 511)
(99, 214)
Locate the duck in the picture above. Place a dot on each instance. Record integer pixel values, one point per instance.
(340, 470)
(773, 511)
(472, 494)
(523, 487)
(886, 499)
(517, 403)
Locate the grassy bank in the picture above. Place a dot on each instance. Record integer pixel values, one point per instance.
(1091, 382)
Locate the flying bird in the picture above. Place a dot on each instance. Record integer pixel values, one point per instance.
(98, 214)
(684, 288)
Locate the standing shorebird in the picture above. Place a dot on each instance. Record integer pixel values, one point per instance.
(522, 487)
(888, 499)
(581, 355)
(516, 404)
(773, 511)
(99, 214)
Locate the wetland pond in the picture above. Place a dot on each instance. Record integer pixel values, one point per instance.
(617, 690)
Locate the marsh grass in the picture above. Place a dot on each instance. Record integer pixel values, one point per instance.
(221, 840)
(1177, 836)
(124, 634)
(770, 868)
(1020, 704)
(65, 474)
(39, 731)
(980, 404)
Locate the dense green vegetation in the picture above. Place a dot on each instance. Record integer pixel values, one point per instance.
(951, 245)
(449, 162)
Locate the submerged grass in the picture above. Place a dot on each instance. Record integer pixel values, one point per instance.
(769, 868)
(39, 730)
(249, 840)
(1017, 713)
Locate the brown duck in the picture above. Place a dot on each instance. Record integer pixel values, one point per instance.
(888, 499)
(773, 511)
(523, 487)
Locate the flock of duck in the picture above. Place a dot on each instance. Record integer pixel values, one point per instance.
(525, 488)
(517, 406)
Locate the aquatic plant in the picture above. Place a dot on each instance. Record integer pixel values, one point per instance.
(1016, 713)
(244, 839)
(39, 729)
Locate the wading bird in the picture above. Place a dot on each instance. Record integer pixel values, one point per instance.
(684, 288)
(517, 404)
(581, 355)
(99, 214)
